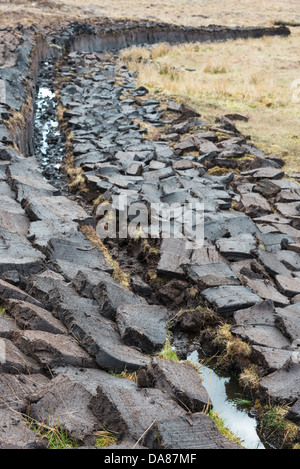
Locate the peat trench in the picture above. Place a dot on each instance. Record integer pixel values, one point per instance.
(72, 324)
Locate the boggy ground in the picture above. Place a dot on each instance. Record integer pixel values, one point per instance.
(68, 325)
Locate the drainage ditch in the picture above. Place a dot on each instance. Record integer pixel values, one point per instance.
(230, 402)
(49, 143)
(226, 395)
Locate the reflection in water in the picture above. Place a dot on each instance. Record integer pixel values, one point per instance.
(44, 96)
(226, 397)
(48, 139)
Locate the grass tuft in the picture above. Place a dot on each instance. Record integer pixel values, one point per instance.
(237, 347)
(119, 275)
(250, 378)
(223, 429)
(223, 335)
(231, 346)
(275, 426)
(168, 353)
(105, 438)
(125, 374)
(58, 436)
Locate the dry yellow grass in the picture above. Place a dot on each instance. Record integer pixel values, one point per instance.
(195, 12)
(249, 378)
(189, 12)
(254, 77)
(119, 275)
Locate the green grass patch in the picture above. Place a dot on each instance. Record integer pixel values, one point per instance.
(168, 353)
(223, 429)
(58, 437)
(243, 402)
(273, 419)
(105, 438)
(276, 429)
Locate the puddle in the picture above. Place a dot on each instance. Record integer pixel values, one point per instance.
(48, 140)
(230, 403)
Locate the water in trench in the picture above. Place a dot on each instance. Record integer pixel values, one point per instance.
(49, 144)
(229, 402)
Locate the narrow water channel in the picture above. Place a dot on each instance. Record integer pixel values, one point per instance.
(48, 140)
(229, 402)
